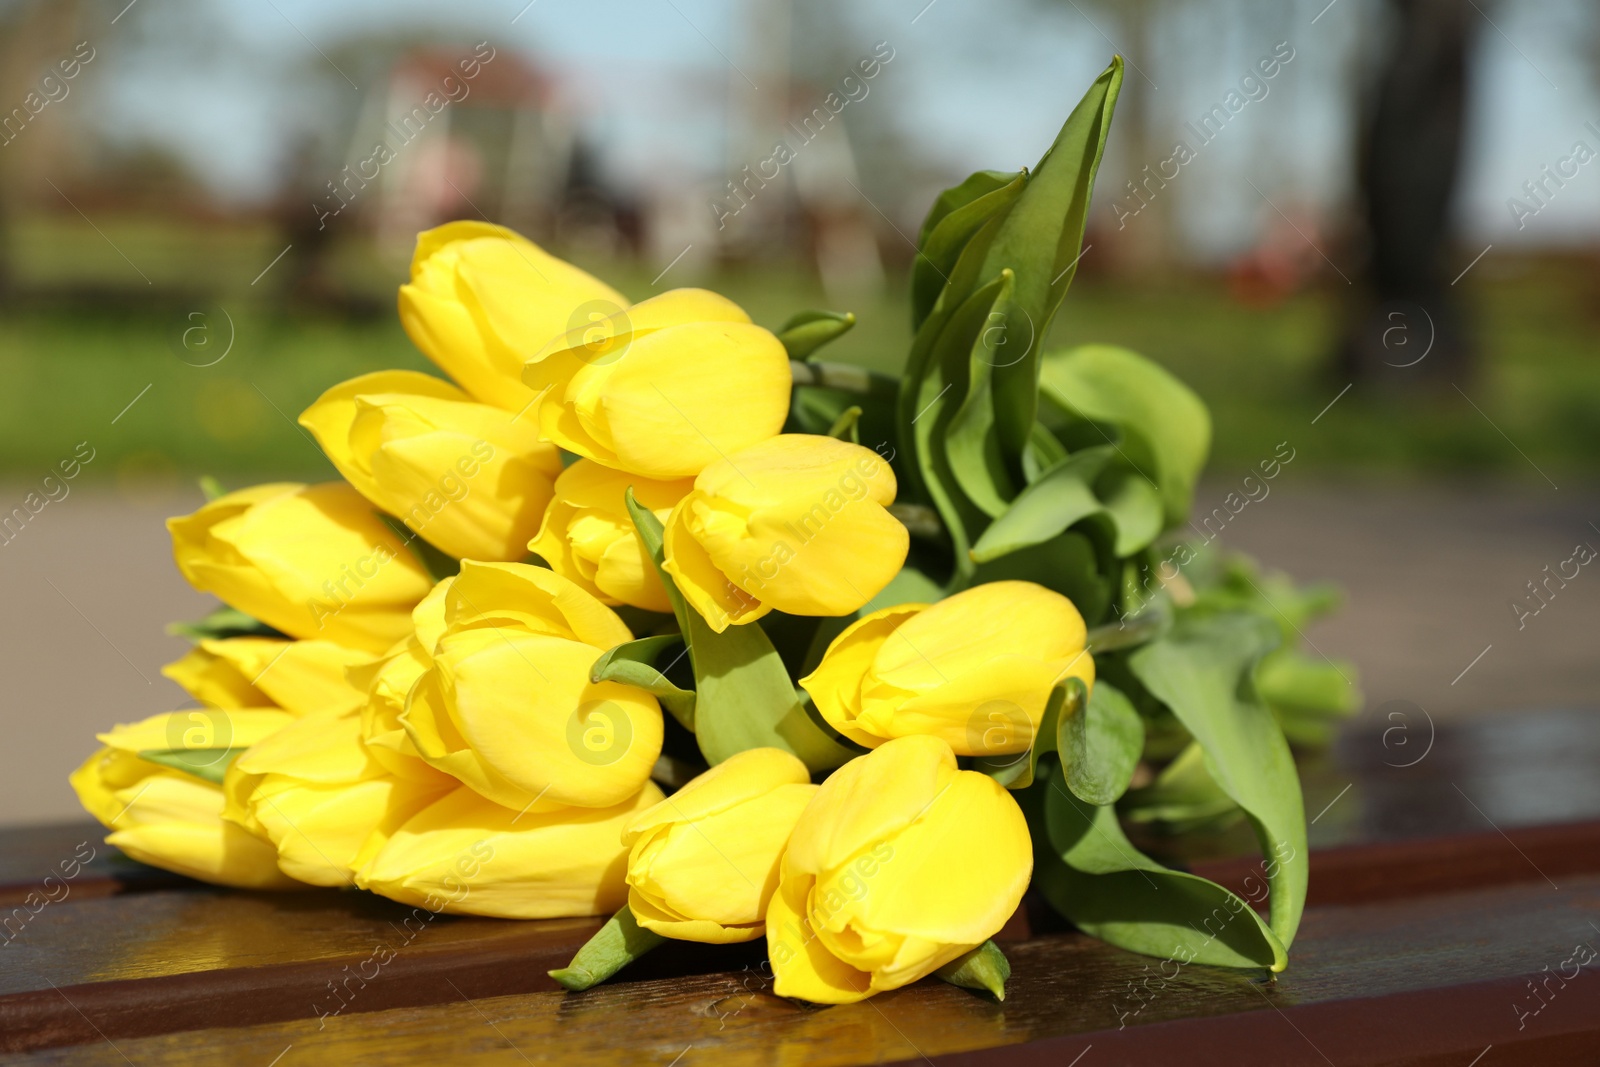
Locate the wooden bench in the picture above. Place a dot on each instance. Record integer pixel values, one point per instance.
(1454, 919)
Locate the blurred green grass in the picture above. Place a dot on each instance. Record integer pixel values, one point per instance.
(71, 369)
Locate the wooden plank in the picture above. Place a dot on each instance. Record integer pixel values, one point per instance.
(56, 862)
(1390, 869)
(174, 960)
(118, 949)
(1434, 980)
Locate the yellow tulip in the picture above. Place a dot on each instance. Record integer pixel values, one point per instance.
(663, 388)
(482, 299)
(467, 855)
(506, 705)
(588, 537)
(314, 791)
(471, 479)
(796, 523)
(215, 681)
(300, 677)
(975, 669)
(173, 819)
(704, 861)
(389, 682)
(900, 864)
(312, 561)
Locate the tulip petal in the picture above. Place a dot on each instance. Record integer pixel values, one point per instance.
(740, 778)
(537, 727)
(708, 590)
(464, 854)
(972, 843)
(802, 967)
(689, 395)
(835, 686)
(532, 597)
(869, 800)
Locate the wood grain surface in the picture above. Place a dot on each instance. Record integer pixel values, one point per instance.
(1418, 946)
(1441, 978)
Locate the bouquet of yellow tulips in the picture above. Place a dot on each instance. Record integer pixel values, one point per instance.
(647, 612)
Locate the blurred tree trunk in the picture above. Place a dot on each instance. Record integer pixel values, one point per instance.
(1408, 171)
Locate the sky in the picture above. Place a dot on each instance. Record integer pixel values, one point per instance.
(972, 85)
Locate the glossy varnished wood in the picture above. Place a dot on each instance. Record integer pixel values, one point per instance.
(1432, 980)
(1433, 900)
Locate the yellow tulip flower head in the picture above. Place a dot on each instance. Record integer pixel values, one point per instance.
(313, 561)
(507, 707)
(172, 818)
(301, 677)
(389, 682)
(588, 537)
(664, 388)
(482, 299)
(704, 861)
(471, 479)
(467, 855)
(314, 791)
(900, 864)
(975, 669)
(797, 523)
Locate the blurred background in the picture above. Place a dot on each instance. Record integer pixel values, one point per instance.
(1367, 232)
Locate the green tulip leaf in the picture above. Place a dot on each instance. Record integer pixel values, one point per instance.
(224, 622)
(1017, 770)
(971, 441)
(1073, 564)
(1164, 428)
(955, 218)
(744, 698)
(1130, 631)
(845, 427)
(808, 331)
(1088, 870)
(618, 943)
(1063, 496)
(1041, 239)
(1202, 670)
(1044, 451)
(1183, 798)
(1291, 679)
(211, 487)
(1100, 745)
(211, 764)
(634, 663)
(984, 968)
(1134, 504)
(937, 397)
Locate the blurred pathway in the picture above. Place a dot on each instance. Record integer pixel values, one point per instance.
(1430, 576)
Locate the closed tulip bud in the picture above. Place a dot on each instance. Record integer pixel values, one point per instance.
(171, 818)
(796, 523)
(389, 681)
(467, 855)
(314, 791)
(704, 861)
(301, 677)
(471, 479)
(900, 864)
(975, 669)
(663, 388)
(313, 561)
(588, 537)
(507, 706)
(482, 299)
